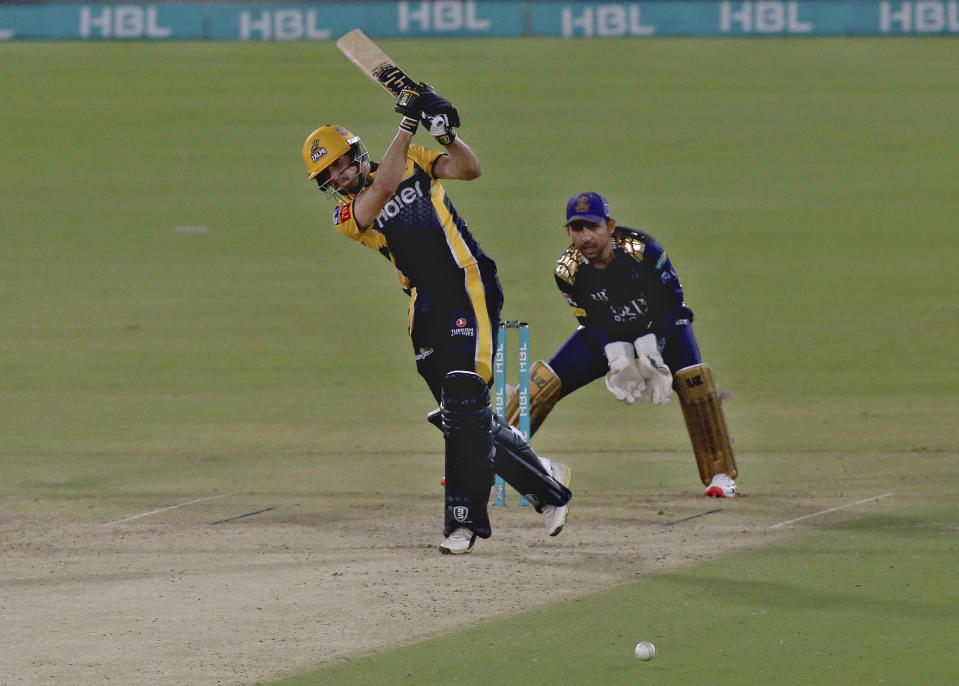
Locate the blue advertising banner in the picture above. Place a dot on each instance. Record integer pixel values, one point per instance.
(275, 21)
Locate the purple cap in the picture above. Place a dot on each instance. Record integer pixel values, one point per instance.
(589, 206)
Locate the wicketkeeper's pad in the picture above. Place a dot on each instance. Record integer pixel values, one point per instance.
(544, 391)
(701, 402)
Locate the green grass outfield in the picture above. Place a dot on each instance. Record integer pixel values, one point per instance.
(175, 308)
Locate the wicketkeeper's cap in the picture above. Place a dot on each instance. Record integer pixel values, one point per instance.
(589, 206)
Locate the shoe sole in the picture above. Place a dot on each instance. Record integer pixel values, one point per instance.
(717, 492)
(447, 551)
(450, 551)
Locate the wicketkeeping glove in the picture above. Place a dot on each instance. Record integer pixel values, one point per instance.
(658, 378)
(623, 379)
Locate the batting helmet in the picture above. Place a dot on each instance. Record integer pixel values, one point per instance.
(327, 144)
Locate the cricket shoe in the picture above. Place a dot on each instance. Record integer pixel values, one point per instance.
(554, 516)
(459, 542)
(721, 487)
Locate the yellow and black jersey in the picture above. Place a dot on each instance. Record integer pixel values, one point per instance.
(637, 293)
(419, 231)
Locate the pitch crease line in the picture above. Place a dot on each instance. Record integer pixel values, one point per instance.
(695, 516)
(831, 509)
(165, 509)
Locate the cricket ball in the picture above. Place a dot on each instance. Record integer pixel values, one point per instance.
(645, 650)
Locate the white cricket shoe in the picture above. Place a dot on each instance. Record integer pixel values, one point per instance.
(721, 486)
(554, 518)
(459, 542)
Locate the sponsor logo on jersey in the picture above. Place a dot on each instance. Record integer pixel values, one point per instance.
(403, 198)
(341, 214)
(571, 300)
(600, 296)
(631, 311)
(423, 353)
(461, 327)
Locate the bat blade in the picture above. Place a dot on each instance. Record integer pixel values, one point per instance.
(373, 62)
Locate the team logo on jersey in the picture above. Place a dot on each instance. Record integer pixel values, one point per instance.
(461, 513)
(317, 151)
(341, 214)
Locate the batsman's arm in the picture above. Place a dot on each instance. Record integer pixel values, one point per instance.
(388, 176)
(459, 162)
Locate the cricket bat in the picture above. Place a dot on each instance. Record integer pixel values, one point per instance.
(373, 62)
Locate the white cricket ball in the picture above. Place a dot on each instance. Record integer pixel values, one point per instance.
(645, 650)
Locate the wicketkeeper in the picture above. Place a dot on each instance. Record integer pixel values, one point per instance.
(400, 209)
(635, 330)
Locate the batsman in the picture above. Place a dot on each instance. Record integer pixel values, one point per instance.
(636, 330)
(399, 208)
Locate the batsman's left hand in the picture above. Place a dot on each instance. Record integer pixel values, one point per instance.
(438, 114)
(439, 127)
(433, 103)
(659, 380)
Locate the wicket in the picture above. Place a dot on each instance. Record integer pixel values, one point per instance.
(499, 383)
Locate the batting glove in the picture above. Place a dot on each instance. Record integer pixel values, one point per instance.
(440, 127)
(433, 103)
(658, 378)
(623, 379)
(408, 104)
(438, 114)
